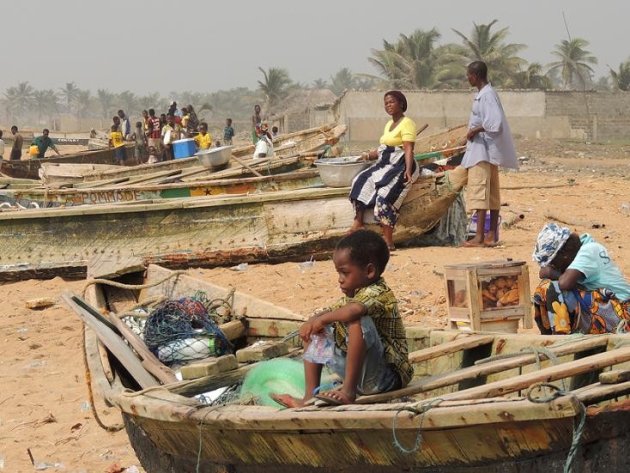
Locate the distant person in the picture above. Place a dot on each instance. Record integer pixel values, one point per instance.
(1, 146)
(172, 110)
(140, 141)
(193, 121)
(44, 142)
(228, 132)
(155, 131)
(18, 141)
(274, 131)
(185, 120)
(489, 146)
(153, 155)
(264, 145)
(170, 132)
(125, 125)
(145, 122)
(117, 142)
(256, 122)
(204, 139)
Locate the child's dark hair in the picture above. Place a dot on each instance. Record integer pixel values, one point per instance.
(366, 247)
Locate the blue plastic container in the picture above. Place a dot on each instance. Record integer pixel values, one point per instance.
(184, 148)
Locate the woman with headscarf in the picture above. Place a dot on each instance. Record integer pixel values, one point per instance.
(385, 184)
(582, 289)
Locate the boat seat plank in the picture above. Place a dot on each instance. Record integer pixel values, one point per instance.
(614, 376)
(599, 392)
(552, 373)
(484, 369)
(106, 333)
(447, 348)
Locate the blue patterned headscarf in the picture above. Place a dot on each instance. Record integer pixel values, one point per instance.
(550, 239)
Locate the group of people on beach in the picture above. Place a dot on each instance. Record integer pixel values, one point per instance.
(581, 289)
(153, 137)
(38, 148)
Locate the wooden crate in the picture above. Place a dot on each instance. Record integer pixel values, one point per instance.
(470, 288)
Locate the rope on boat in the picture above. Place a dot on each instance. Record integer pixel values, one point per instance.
(419, 410)
(88, 382)
(578, 422)
(133, 287)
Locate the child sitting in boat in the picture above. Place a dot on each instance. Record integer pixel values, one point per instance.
(370, 348)
(582, 289)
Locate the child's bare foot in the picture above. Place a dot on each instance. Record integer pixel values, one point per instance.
(336, 397)
(286, 400)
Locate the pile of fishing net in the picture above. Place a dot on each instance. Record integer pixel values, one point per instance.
(182, 330)
(278, 376)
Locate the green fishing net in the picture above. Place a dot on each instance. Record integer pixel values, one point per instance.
(279, 376)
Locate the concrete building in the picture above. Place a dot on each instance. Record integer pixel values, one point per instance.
(590, 116)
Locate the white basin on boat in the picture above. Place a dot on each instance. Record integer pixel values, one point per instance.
(339, 172)
(214, 157)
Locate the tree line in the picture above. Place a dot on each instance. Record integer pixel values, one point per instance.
(413, 61)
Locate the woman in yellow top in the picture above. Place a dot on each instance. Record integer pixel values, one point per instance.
(204, 139)
(385, 184)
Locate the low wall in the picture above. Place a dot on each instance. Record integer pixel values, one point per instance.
(595, 116)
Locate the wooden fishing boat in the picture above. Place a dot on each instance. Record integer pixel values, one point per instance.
(269, 226)
(175, 188)
(285, 146)
(29, 168)
(479, 402)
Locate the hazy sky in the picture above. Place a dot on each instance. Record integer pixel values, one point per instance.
(159, 46)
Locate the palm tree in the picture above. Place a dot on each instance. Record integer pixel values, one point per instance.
(275, 85)
(531, 78)
(152, 100)
(127, 101)
(621, 77)
(490, 47)
(106, 101)
(45, 101)
(69, 94)
(320, 84)
(411, 62)
(342, 80)
(19, 98)
(573, 62)
(83, 104)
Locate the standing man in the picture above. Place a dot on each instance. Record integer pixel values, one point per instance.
(155, 131)
(1, 147)
(43, 143)
(125, 125)
(489, 146)
(18, 141)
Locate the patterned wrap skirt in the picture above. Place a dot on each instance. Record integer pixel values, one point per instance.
(590, 312)
(382, 185)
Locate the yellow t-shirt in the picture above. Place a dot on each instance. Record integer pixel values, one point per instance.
(116, 138)
(203, 141)
(404, 131)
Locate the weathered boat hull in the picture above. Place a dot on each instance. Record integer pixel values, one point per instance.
(517, 447)
(47, 198)
(29, 168)
(289, 145)
(269, 226)
(463, 428)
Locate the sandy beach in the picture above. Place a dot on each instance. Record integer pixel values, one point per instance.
(44, 404)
